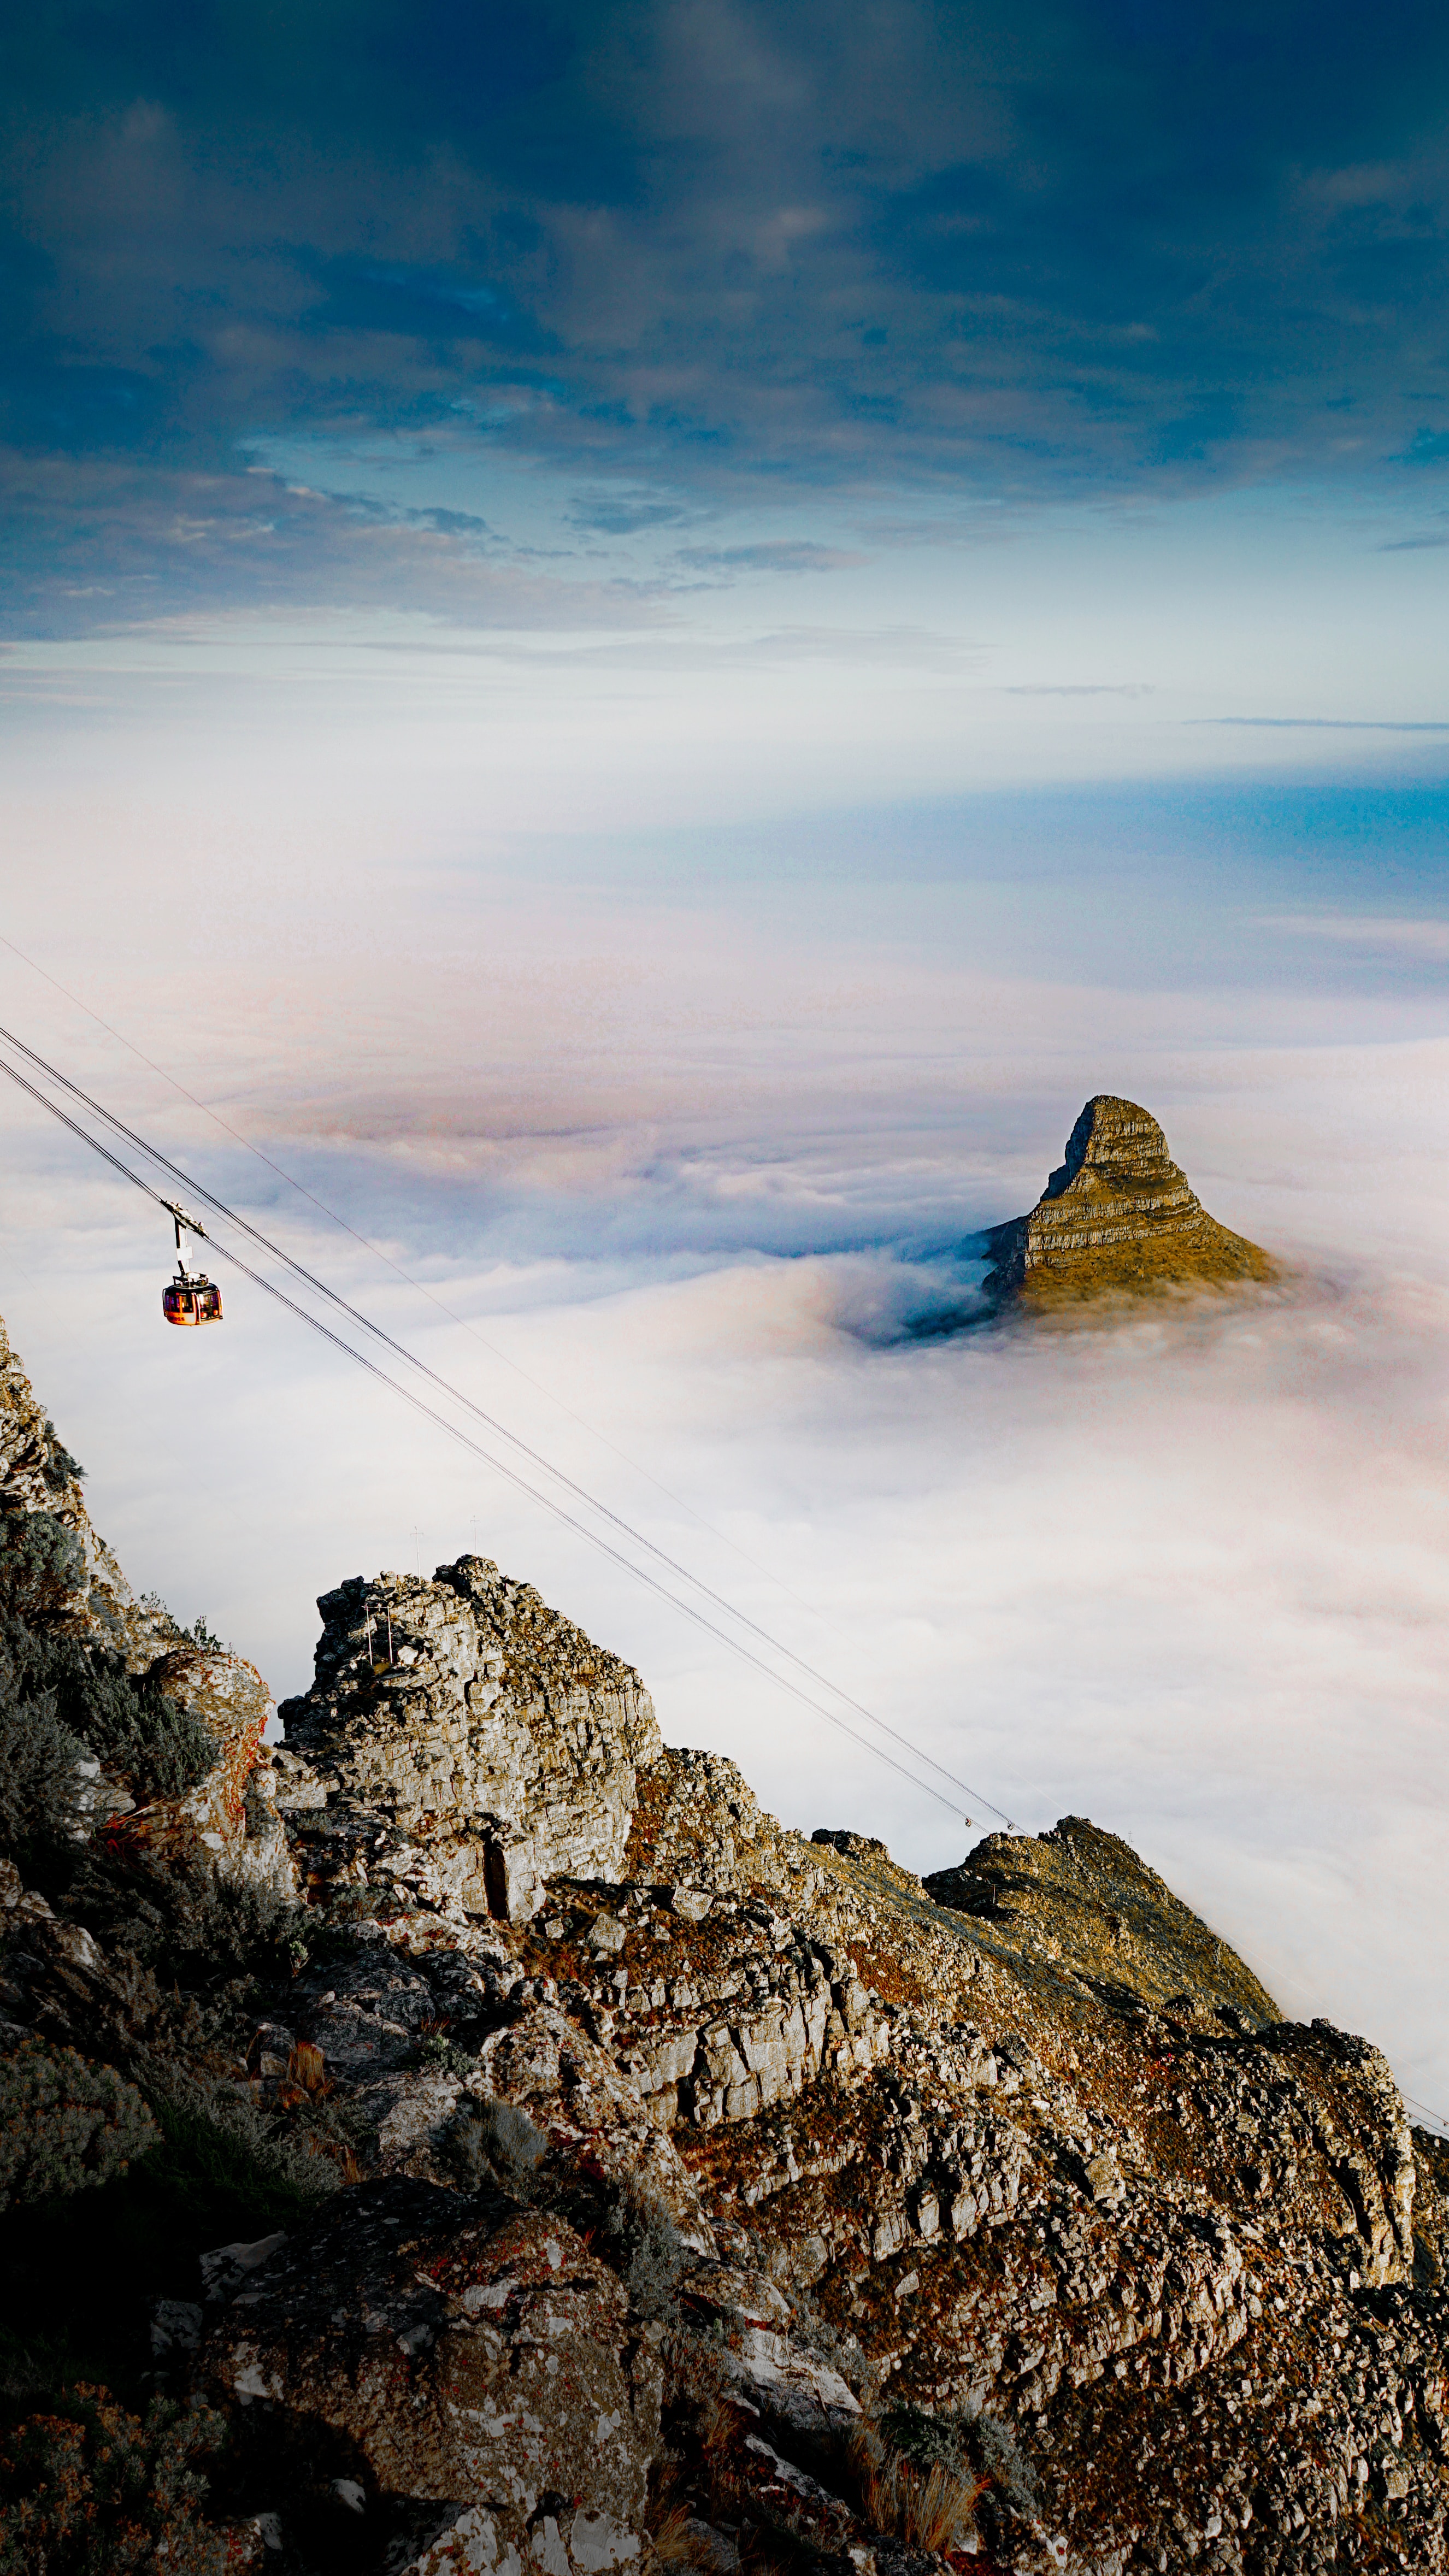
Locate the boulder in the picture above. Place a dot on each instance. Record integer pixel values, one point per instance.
(466, 2366)
(232, 1813)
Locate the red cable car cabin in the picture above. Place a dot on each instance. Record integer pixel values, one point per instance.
(191, 1301)
(189, 1298)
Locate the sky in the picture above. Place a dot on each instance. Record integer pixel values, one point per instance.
(641, 642)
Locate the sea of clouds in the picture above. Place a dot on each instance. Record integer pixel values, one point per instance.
(704, 1181)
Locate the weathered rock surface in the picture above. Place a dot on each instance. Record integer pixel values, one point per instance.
(733, 2200)
(38, 1474)
(463, 1739)
(1116, 1216)
(466, 2366)
(230, 1816)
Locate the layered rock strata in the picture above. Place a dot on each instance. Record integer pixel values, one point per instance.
(465, 1739)
(1116, 1215)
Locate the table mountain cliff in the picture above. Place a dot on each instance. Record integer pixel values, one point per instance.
(476, 2139)
(1116, 1216)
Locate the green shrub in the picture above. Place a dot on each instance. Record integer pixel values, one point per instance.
(65, 2125)
(961, 2443)
(38, 1757)
(42, 1565)
(229, 2145)
(171, 1915)
(77, 2277)
(50, 1680)
(494, 2144)
(127, 1720)
(652, 2256)
(93, 2491)
(59, 1467)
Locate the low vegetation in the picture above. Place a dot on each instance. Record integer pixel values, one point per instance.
(65, 2125)
(65, 1701)
(91, 2490)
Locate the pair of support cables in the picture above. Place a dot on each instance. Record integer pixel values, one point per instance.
(35, 1075)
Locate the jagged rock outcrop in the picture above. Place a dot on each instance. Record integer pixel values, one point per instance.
(733, 2199)
(1116, 1216)
(463, 1738)
(83, 1595)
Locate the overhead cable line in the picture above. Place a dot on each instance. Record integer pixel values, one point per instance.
(536, 1458)
(771, 1573)
(501, 1466)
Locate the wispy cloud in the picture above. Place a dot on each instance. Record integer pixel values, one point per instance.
(1328, 724)
(1428, 939)
(624, 514)
(771, 555)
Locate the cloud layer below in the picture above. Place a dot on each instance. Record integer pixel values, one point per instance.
(694, 1167)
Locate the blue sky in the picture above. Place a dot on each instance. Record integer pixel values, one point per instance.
(644, 640)
(463, 306)
(786, 409)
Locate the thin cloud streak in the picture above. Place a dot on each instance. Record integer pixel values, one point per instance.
(1329, 724)
(1414, 938)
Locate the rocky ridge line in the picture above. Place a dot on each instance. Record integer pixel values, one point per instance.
(729, 2200)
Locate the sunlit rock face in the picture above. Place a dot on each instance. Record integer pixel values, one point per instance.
(86, 1595)
(462, 1737)
(58, 1576)
(1116, 1216)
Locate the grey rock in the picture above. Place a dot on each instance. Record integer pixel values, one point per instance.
(463, 2353)
(496, 1749)
(691, 1904)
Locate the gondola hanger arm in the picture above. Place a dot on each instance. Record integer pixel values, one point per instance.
(193, 1224)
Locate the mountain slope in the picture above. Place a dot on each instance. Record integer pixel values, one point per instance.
(559, 2164)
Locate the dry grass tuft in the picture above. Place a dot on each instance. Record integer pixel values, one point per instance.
(673, 2542)
(932, 2509)
(938, 2511)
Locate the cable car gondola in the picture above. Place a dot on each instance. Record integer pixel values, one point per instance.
(189, 1298)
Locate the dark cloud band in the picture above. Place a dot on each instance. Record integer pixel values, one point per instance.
(710, 252)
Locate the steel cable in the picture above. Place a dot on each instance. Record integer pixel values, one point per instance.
(501, 1467)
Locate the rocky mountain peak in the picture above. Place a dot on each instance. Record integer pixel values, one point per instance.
(1122, 1145)
(1117, 1216)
